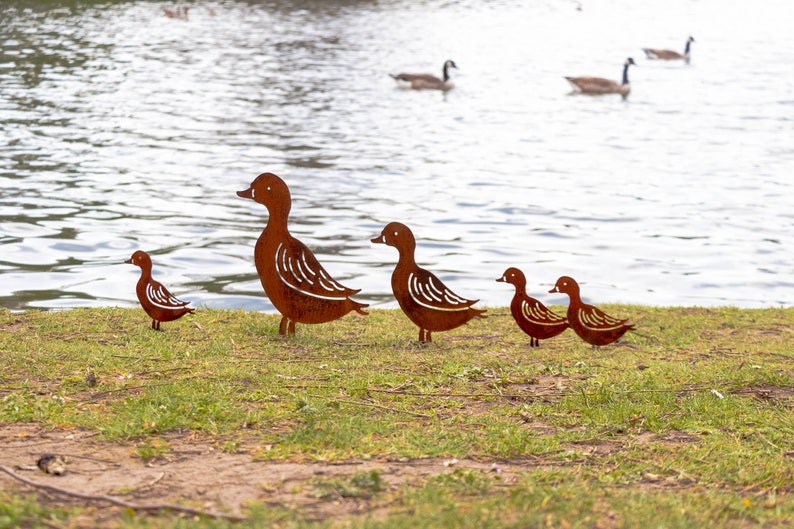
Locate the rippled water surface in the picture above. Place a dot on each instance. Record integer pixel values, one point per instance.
(123, 129)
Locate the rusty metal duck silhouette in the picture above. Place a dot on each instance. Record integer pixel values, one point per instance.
(155, 299)
(422, 296)
(590, 323)
(296, 283)
(531, 315)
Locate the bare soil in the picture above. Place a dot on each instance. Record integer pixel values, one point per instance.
(195, 472)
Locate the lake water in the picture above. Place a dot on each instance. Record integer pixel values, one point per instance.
(123, 129)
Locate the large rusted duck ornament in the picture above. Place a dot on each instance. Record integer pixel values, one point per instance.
(296, 283)
(422, 296)
(531, 315)
(155, 299)
(590, 323)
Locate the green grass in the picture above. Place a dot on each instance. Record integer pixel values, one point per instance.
(690, 426)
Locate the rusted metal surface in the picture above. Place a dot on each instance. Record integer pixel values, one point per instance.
(292, 277)
(155, 299)
(427, 302)
(531, 315)
(590, 323)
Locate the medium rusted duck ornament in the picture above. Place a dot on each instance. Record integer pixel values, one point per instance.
(296, 283)
(422, 296)
(531, 315)
(155, 299)
(590, 323)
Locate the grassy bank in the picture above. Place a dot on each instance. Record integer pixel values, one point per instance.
(688, 424)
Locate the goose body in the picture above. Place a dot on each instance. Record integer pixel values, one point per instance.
(590, 323)
(155, 299)
(670, 55)
(294, 280)
(427, 302)
(600, 86)
(179, 12)
(532, 316)
(425, 81)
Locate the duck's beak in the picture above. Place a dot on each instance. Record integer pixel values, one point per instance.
(502, 279)
(129, 261)
(246, 193)
(555, 289)
(378, 240)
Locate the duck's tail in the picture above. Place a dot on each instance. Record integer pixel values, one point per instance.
(359, 307)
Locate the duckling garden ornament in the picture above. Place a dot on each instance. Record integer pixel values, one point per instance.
(427, 302)
(155, 299)
(292, 277)
(590, 323)
(532, 316)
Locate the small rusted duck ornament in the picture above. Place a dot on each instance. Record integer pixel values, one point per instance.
(296, 283)
(155, 299)
(590, 323)
(531, 315)
(422, 296)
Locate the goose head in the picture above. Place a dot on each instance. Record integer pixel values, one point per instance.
(447, 65)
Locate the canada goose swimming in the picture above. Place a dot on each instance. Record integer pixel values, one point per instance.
(423, 81)
(598, 85)
(180, 12)
(670, 55)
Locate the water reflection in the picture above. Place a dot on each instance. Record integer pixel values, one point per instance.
(125, 129)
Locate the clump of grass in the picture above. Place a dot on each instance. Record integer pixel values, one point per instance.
(152, 448)
(359, 485)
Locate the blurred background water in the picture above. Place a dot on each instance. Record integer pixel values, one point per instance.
(124, 129)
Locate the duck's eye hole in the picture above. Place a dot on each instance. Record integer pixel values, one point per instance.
(268, 188)
(395, 234)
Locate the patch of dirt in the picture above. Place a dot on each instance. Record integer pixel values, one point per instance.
(677, 436)
(193, 471)
(766, 392)
(196, 473)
